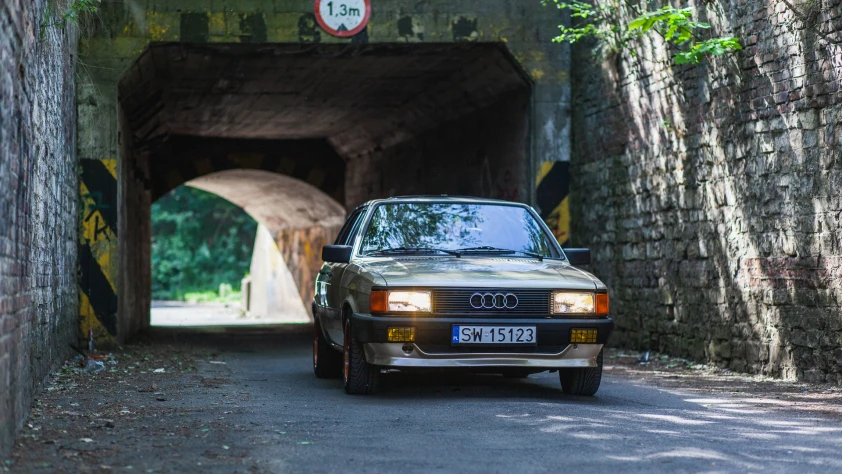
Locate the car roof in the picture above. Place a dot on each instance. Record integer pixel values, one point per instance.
(443, 198)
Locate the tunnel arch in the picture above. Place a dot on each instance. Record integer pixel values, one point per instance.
(299, 217)
(183, 158)
(294, 216)
(277, 201)
(285, 172)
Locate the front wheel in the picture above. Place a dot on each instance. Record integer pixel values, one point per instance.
(359, 376)
(581, 381)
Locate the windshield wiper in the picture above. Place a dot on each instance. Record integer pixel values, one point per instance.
(416, 250)
(489, 249)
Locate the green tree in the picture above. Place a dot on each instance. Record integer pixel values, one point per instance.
(199, 241)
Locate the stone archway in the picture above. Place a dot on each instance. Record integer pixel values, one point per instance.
(299, 217)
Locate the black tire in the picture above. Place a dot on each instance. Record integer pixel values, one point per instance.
(327, 363)
(359, 376)
(583, 381)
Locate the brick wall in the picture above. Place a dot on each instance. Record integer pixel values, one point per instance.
(38, 205)
(710, 195)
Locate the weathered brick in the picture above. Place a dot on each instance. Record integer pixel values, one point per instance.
(760, 245)
(38, 195)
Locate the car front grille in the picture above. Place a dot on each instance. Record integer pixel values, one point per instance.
(458, 301)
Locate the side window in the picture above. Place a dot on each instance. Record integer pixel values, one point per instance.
(355, 229)
(348, 228)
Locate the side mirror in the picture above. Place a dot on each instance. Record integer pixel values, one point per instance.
(337, 253)
(578, 256)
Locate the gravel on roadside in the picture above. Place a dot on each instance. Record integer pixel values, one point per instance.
(150, 409)
(667, 372)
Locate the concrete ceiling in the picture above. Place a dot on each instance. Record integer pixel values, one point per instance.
(349, 94)
(277, 201)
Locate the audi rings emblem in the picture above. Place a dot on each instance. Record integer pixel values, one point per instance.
(493, 301)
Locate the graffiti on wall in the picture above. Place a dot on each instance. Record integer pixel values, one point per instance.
(98, 250)
(552, 198)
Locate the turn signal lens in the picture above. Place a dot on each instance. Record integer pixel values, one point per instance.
(583, 336)
(602, 303)
(400, 334)
(379, 301)
(565, 302)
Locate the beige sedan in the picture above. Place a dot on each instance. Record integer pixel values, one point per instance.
(456, 283)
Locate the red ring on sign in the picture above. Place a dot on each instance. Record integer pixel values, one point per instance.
(344, 34)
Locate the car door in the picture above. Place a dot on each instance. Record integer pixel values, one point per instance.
(330, 278)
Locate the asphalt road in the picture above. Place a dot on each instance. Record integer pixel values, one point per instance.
(472, 423)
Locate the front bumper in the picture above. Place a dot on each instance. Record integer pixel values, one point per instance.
(432, 347)
(391, 354)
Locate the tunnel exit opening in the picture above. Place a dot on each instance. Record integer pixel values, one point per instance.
(277, 282)
(352, 121)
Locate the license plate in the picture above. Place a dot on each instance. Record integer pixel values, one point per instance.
(493, 335)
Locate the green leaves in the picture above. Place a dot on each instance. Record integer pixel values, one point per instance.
(677, 27)
(199, 242)
(78, 7)
(74, 9)
(603, 21)
(712, 47)
(597, 21)
(573, 35)
(578, 9)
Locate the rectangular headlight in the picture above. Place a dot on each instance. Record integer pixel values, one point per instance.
(414, 301)
(401, 301)
(566, 302)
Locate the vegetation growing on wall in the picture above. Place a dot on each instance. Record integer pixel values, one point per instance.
(201, 246)
(60, 14)
(601, 20)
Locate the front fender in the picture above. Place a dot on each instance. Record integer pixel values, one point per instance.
(356, 285)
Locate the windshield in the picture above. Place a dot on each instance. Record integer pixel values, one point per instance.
(451, 227)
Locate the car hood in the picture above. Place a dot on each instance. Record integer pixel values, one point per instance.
(480, 272)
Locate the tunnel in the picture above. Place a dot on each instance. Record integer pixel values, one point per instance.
(300, 134)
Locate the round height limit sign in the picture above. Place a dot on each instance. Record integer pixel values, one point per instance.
(343, 18)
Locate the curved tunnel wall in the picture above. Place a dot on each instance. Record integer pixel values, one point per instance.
(299, 217)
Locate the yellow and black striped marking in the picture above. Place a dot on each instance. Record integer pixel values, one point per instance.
(552, 198)
(98, 250)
